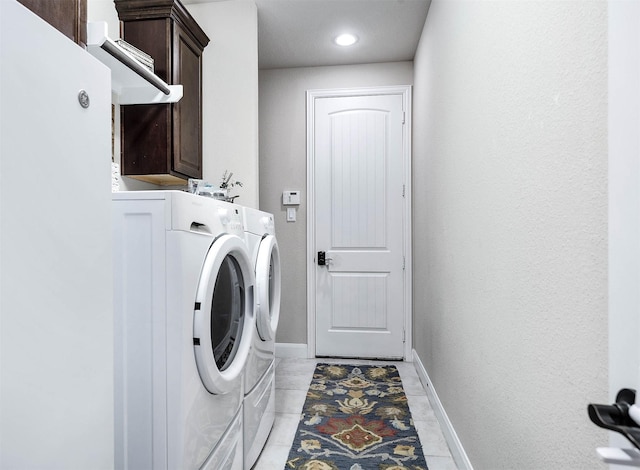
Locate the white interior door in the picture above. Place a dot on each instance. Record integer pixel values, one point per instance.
(359, 174)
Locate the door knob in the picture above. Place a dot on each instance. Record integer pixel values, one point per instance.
(323, 260)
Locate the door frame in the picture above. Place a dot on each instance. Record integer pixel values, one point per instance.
(312, 96)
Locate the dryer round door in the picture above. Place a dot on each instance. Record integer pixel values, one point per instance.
(268, 288)
(224, 316)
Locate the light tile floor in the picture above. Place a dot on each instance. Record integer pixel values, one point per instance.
(293, 377)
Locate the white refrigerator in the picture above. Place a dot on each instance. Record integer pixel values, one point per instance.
(56, 286)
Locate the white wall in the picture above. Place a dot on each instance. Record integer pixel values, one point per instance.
(230, 91)
(230, 94)
(624, 198)
(283, 165)
(510, 226)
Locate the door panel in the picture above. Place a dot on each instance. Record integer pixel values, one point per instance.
(357, 173)
(359, 300)
(268, 281)
(359, 224)
(223, 320)
(187, 113)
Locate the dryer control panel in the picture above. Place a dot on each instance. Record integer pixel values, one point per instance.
(231, 219)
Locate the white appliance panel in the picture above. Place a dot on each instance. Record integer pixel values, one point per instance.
(259, 401)
(56, 370)
(228, 455)
(260, 414)
(166, 417)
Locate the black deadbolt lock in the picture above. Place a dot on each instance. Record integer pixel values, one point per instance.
(322, 261)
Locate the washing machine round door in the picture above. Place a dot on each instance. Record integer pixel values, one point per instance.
(268, 288)
(224, 314)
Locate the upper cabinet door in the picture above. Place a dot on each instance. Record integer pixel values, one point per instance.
(67, 16)
(162, 144)
(187, 113)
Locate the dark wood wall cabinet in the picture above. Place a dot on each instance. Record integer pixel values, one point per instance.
(162, 143)
(67, 16)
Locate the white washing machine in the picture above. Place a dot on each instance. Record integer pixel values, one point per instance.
(184, 322)
(259, 383)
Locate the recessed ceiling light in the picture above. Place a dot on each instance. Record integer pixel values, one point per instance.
(346, 39)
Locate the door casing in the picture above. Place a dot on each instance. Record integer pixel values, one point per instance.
(312, 95)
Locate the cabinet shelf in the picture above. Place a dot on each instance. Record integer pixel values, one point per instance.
(130, 80)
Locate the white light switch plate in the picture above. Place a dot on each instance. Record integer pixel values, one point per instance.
(291, 214)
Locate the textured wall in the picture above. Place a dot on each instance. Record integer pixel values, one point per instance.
(510, 226)
(283, 165)
(230, 94)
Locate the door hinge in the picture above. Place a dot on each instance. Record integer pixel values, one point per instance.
(404, 336)
(404, 117)
(404, 263)
(403, 191)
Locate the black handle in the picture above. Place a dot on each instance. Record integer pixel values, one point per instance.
(616, 417)
(322, 258)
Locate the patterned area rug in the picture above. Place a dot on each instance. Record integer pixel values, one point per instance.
(356, 418)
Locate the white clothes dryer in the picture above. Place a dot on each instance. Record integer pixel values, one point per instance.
(259, 400)
(184, 320)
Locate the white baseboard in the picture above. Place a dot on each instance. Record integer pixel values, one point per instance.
(457, 451)
(293, 350)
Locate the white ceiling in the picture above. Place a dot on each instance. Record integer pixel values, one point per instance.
(300, 33)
